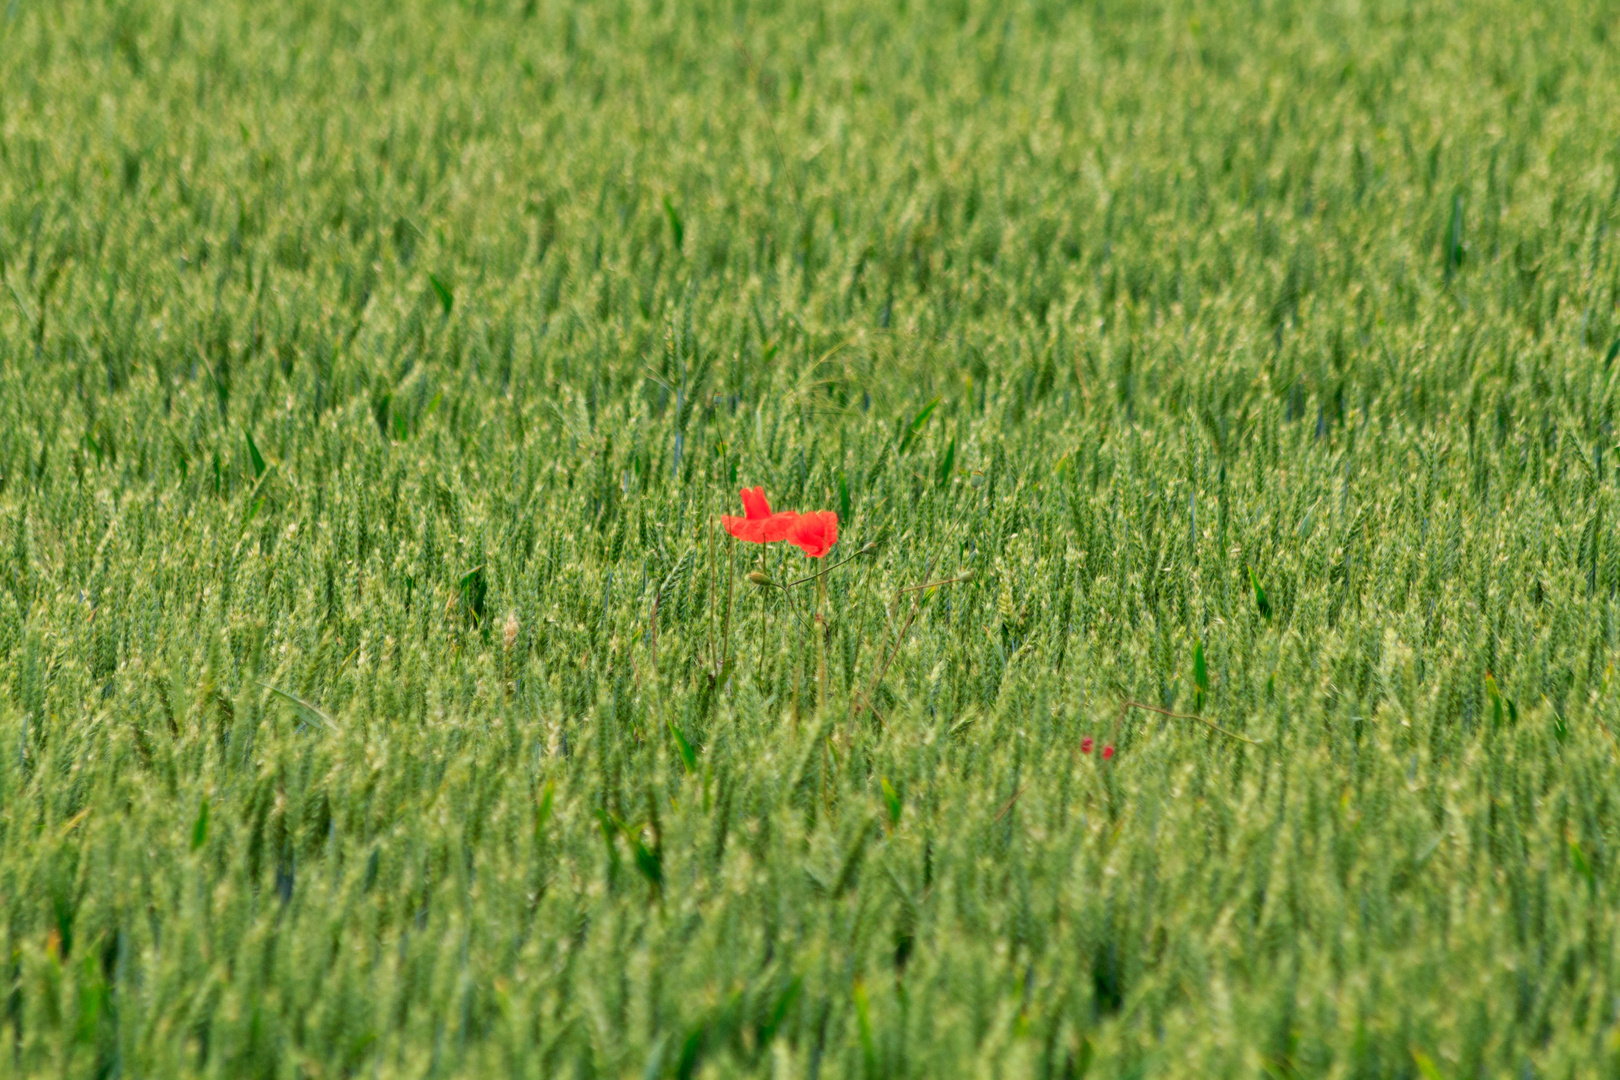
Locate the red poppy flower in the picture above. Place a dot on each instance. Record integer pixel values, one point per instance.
(1085, 745)
(1108, 752)
(815, 533)
(755, 504)
(760, 526)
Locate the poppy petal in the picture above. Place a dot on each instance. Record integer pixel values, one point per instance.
(755, 504)
(815, 533)
(778, 526)
(743, 528)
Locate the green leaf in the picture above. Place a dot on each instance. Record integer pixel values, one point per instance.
(181, 458)
(1581, 865)
(915, 427)
(1454, 248)
(676, 228)
(1083, 1059)
(542, 811)
(649, 862)
(1261, 604)
(843, 499)
(852, 860)
(609, 832)
(199, 830)
(308, 711)
(258, 458)
(474, 590)
(446, 299)
(947, 462)
(863, 1025)
(1426, 1065)
(688, 755)
(783, 1003)
(892, 798)
(379, 411)
(691, 1050)
(1200, 676)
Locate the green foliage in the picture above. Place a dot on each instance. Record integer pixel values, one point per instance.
(1200, 677)
(447, 300)
(257, 458)
(1261, 603)
(916, 426)
(379, 698)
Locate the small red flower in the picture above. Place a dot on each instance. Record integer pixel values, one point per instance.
(1108, 752)
(760, 526)
(815, 533)
(1085, 745)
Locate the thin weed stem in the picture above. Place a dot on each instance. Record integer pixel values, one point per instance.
(1129, 704)
(867, 550)
(967, 576)
(865, 701)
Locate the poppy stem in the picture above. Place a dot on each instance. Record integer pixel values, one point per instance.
(821, 636)
(899, 639)
(867, 550)
(889, 654)
(725, 623)
(764, 625)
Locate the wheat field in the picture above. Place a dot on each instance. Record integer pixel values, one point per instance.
(1214, 674)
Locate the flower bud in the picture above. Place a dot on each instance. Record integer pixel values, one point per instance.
(758, 577)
